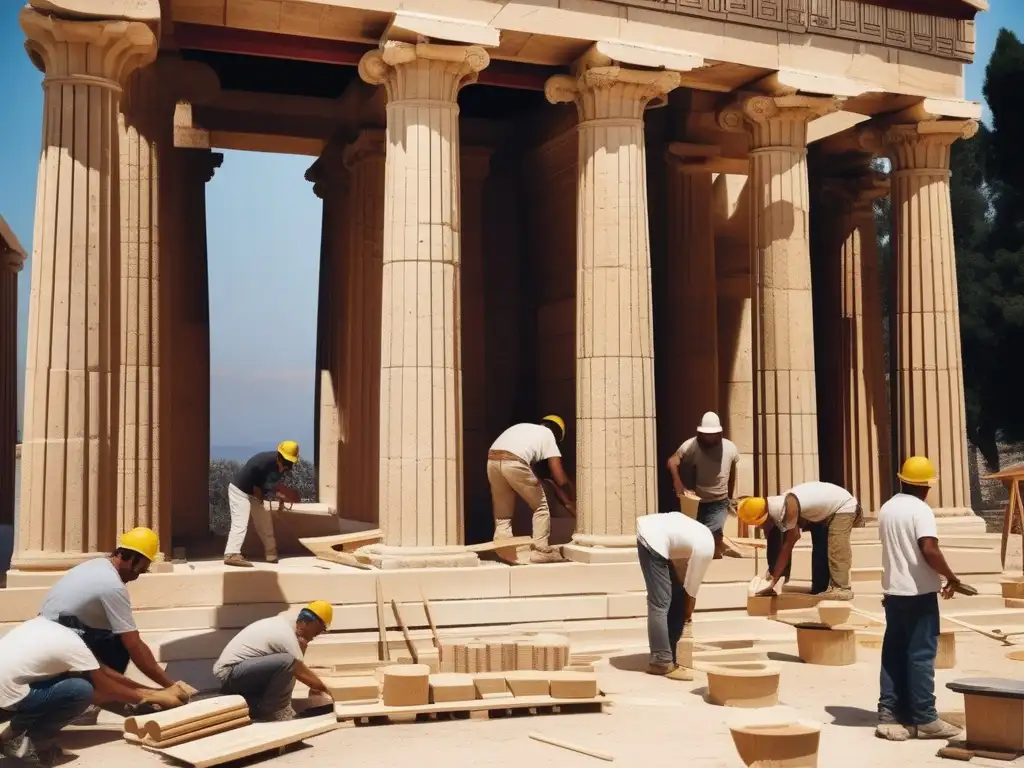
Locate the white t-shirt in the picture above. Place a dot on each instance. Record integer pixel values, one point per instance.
(675, 536)
(818, 501)
(902, 522)
(261, 638)
(530, 442)
(37, 650)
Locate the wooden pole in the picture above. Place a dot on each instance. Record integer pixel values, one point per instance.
(405, 632)
(572, 747)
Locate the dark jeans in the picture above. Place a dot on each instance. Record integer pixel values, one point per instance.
(108, 648)
(819, 555)
(266, 683)
(49, 706)
(666, 604)
(713, 515)
(909, 647)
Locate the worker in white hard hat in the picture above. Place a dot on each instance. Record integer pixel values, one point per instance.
(510, 473)
(261, 478)
(706, 465)
(913, 567)
(811, 502)
(262, 662)
(92, 600)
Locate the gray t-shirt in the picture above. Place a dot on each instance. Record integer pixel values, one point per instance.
(94, 594)
(261, 638)
(707, 470)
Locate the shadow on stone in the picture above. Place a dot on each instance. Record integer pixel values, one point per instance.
(634, 662)
(81, 738)
(852, 717)
(777, 656)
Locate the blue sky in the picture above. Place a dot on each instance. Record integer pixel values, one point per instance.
(264, 245)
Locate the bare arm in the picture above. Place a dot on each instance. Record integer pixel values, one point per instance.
(673, 463)
(791, 537)
(111, 686)
(732, 482)
(144, 659)
(563, 488)
(305, 675)
(934, 557)
(689, 606)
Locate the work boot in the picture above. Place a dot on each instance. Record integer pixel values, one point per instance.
(937, 729)
(89, 717)
(680, 673)
(281, 716)
(49, 752)
(892, 731)
(19, 747)
(838, 593)
(549, 555)
(661, 669)
(270, 557)
(237, 561)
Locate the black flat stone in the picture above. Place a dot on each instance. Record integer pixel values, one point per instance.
(998, 687)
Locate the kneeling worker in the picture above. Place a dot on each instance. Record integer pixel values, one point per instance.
(661, 541)
(510, 472)
(48, 678)
(811, 502)
(263, 661)
(92, 600)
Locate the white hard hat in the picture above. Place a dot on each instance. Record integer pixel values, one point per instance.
(710, 424)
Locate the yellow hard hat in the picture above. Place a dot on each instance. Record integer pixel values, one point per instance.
(556, 420)
(289, 450)
(141, 540)
(918, 470)
(323, 611)
(753, 510)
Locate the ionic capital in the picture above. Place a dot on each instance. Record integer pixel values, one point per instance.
(924, 146)
(604, 90)
(112, 49)
(776, 121)
(423, 71)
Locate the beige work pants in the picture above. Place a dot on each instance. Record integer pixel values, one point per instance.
(243, 506)
(508, 478)
(840, 549)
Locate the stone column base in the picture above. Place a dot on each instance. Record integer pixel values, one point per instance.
(581, 554)
(51, 561)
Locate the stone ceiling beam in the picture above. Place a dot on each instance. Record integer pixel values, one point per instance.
(408, 27)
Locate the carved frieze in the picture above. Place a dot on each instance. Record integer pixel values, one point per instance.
(849, 19)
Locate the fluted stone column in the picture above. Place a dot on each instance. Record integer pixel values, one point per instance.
(475, 168)
(420, 481)
(11, 262)
(616, 459)
(69, 455)
(855, 446)
(785, 411)
(927, 381)
(692, 335)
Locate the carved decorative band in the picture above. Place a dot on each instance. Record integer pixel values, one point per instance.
(91, 80)
(426, 103)
(847, 19)
(611, 122)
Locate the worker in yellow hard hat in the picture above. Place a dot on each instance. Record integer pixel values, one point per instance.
(92, 600)
(510, 472)
(809, 503)
(261, 478)
(262, 662)
(913, 567)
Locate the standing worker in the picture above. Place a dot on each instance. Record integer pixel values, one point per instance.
(708, 462)
(510, 472)
(48, 678)
(263, 661)
(258, 479)
(662, 540)
(92, 600)
(811, 502)
(912, 565)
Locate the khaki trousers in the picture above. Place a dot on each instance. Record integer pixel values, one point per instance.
(243, 507)
(840, 551)
(509, 478)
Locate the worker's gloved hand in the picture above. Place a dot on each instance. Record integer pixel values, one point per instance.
(184, 690)
(167, 698)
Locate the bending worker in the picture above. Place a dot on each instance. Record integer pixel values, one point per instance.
(912, 567)
(263, 661)
(708, 462)
(663, 541)
(257, 480)
(811, 502)
(48, 678)
(510, 472)
(92, 599)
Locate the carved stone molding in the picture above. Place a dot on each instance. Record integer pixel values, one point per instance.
(402, 68)
(925, 146)
(846, 19)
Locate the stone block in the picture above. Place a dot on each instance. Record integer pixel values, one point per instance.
(828, 647)
(489, 684)
(528, 682)
(594, 555)
(353, 688)
(573, 685)
(406, 685)
(744, 683)
(451, 687)
(575, 579)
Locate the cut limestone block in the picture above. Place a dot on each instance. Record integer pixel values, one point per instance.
(353, 688)
(578, 554)
(494, 658)
(993, 711)
(684, 652)
(451, 687)
(524, 654)
(508, 654)
(429, 657)
(573, 685)
(406, 685)
(489, 684)
(550, 652)
(447, 656)
(794, 745)
(769, 606)
(946, 656)
(604, 540)
(403, 562)
(528, 682)
(829, 647)
(1013, 587)
(743, 683)
(476, 657)
(833, 612)
(461, 658)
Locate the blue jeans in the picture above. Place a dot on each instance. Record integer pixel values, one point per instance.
(49, 706)
(666, 604)
(713, 514)
(908, 659)
(819, 555)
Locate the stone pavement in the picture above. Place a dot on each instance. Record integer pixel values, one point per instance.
(654, 722)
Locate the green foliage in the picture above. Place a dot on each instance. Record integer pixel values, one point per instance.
(222, 471)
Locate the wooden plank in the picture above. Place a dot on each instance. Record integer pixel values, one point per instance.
(405, 632)
(247, 741)
(156, 724)
(488, 546)
(317, 544)
(383, 652)
(354, 712)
